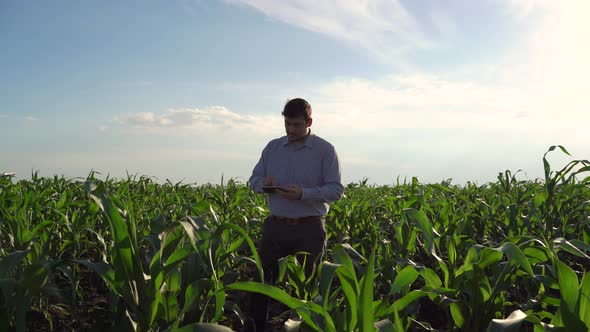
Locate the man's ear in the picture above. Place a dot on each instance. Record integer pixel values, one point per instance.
(309, 122)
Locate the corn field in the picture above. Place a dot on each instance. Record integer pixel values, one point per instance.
(137, 255)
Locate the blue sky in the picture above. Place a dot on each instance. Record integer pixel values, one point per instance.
(192, 90)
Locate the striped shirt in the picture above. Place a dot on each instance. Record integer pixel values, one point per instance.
(313, 165)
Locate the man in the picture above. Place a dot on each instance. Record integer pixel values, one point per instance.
(300, 172)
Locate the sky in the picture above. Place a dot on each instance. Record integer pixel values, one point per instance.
(192, 90)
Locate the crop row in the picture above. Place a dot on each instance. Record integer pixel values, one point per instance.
(136, 255)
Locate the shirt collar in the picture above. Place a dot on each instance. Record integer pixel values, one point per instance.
(308, 142)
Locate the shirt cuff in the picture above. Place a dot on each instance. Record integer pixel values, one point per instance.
(257, 187)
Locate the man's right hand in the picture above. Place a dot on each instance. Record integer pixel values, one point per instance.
(268, 181)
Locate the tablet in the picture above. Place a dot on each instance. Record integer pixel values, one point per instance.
(273, 188)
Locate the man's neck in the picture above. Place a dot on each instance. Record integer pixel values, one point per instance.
(301, 141)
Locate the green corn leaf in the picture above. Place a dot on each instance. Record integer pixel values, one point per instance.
(517, 256)
(366, 297)
(251, 245)
(190, 232)
(585, 300)
(412, 296)
(303, 308)
(583, 246)
(488, 256)
(536, 255)
(457, 313)
(194, 292)
(352, 252)
(485, 289)
(419, 218)
(340, 254)
(568, 287)
(348, 281)
(123, 252)
(568, 283)
(563, 244)
(470, 260)
(171, 239)
(178, 256)
(405, 278)
(350, 288)
(157, 301)
(36, 231)
(452, 251)
(327, 272)
(380, 307)
(563, 149)
(219, 300)
(431, 278)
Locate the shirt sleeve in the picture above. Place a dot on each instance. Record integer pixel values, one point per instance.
(332, 190)
(258, 174)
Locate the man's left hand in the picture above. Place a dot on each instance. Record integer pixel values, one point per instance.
(293, 192)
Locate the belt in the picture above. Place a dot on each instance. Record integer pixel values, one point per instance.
(296, 221)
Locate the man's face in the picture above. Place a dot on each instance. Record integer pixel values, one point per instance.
(296, 128)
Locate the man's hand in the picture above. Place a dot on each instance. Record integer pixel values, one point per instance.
(293, 192)
(268, 181)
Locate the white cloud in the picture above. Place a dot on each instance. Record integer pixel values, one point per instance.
(520, 8)
(31, 118)
(417, 101)
(551, 69)
(523, 8)
(382, 27)
(495, 116)
(559, 51)
(543, 83)
(542, 87)
(211, 119)
(362, 160)
(386, 29)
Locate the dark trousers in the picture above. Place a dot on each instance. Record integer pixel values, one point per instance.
(280, 238)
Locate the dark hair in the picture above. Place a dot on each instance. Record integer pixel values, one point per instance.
(296, 108)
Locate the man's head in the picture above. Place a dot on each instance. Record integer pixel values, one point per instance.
(297, 114)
